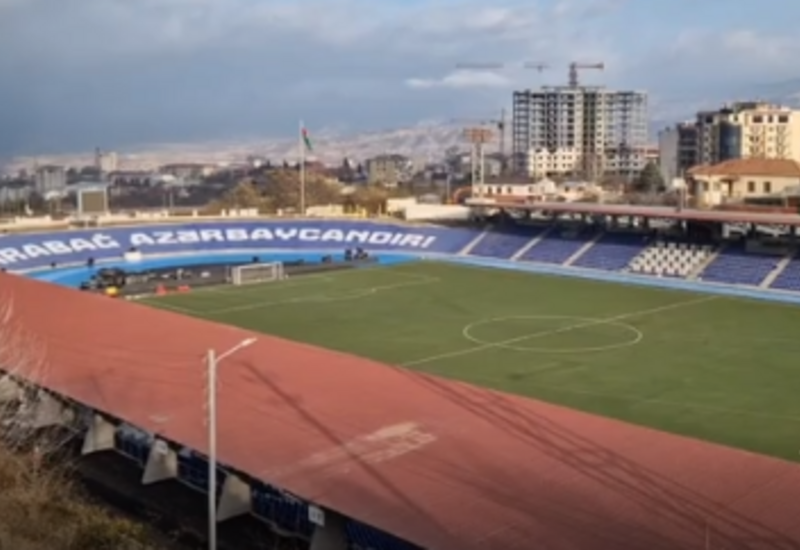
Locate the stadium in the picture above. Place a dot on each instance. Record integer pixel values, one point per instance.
(561, 376)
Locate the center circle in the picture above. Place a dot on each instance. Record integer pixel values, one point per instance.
(588, 334)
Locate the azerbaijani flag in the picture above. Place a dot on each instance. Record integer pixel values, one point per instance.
(306, 139)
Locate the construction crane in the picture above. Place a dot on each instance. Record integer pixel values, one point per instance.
(538, 66)
(500, 124)
(497, 66)
(574, 67)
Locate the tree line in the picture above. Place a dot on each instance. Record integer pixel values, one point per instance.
(280, 190)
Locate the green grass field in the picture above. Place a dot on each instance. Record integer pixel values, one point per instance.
(716, 368)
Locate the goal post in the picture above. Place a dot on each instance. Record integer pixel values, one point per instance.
(257, 273)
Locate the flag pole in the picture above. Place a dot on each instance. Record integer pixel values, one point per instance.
(302, 144)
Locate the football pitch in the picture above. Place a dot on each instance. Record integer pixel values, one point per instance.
(711, 367)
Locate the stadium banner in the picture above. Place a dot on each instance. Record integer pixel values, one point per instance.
(33, 250)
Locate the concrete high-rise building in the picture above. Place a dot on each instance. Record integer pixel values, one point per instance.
(749, 129)
(50, 179)
(584, 132)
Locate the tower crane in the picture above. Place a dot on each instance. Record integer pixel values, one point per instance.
(538, 66)
(500, 124)
(574, 67)
(497, 66)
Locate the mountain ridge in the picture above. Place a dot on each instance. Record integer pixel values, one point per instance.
(427, 140)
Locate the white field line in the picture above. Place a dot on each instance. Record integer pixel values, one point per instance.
(568, 328)
(163, 302)
(635, 401)
(351, 294)
(263, 285)
(300, 280)
(256, 290)
(668, 403)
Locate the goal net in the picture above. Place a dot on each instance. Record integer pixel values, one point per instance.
(257, 273)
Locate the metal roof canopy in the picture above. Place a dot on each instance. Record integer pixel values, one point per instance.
(442, 464)
(668, 212)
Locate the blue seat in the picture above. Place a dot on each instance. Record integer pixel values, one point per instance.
(505, 242)
(613, 251)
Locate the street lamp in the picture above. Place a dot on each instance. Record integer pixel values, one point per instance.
(212, 361)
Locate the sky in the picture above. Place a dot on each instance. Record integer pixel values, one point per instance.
(75, 74)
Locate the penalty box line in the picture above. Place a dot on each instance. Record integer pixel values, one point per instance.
(344, 295)
(261, 287)
(568, 328)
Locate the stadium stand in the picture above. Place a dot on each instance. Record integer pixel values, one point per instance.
(559, 245)
(733, 265)
(133, 443)
(789, 278)
(503, 243)
(671, 259)
(286, 513)
(613, 251)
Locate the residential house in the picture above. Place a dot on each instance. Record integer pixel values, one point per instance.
(739, 179)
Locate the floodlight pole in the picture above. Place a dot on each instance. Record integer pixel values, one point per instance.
(212, 363)
(212, 449)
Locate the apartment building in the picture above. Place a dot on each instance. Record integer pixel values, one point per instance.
(748, 130)
(389, 170)
(677, 150)
(105, 162)
(584, 132)
(742, 130)
(50, 179)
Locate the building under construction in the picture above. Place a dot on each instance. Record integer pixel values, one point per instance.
(579, 131)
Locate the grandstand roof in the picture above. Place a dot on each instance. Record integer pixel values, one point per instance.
(442, 464)
(664, 212)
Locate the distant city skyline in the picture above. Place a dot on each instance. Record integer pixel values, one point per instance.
(119, 73)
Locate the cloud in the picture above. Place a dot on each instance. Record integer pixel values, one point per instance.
(83, 73)
(461, 79)
(115, 72)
